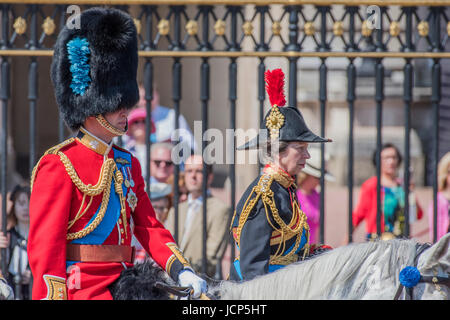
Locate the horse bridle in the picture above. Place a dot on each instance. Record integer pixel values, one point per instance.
(436, 280)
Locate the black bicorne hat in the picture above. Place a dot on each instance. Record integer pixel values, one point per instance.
(281, 123)
(94, 66)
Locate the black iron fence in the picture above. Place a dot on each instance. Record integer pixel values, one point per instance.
(219, 29)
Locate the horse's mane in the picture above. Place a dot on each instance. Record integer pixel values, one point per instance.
(347, 272)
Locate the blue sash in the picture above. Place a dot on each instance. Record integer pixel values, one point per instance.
(112, 214)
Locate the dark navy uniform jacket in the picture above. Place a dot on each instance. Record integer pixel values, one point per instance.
(268, 226)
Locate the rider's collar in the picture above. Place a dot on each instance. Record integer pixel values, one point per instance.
(93, 142)
(279, 175)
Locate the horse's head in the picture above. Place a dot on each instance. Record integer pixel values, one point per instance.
(434, 262)
(138, 283)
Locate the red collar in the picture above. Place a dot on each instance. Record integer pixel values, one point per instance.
(279, 175)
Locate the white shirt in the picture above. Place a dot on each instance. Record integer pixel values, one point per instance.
(193, 206)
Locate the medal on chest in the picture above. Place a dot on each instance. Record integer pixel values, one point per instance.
(132, 199)
(129, 183)
(128, 179)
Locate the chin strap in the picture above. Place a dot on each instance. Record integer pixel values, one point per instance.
(105, 124)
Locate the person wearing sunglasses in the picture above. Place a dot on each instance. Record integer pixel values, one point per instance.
(161, 165)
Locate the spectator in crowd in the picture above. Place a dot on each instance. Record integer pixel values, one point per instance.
(183, 192)
(443, 200)
(191, 219)
(392, 198)
(164, 119)
(18, 221)
(161, 203)
(309, 198)
(136, 142)
(161, 164)
(161, 200)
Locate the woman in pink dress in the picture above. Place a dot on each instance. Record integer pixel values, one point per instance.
(443, 200)
(309, 198)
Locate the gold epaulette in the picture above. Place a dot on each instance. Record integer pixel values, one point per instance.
(263, 187)
(52, 150)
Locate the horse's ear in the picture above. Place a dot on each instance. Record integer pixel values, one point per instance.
(439, 253)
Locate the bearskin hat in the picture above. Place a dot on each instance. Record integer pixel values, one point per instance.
(94, 67)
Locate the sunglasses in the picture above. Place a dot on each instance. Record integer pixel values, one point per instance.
(158, 163)
(142, 121)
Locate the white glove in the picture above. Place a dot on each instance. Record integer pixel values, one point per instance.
(187, 278)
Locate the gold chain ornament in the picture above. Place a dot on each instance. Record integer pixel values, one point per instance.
(105, 124)
(104, 204)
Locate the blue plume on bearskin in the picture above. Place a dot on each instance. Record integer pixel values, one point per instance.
(78, 50)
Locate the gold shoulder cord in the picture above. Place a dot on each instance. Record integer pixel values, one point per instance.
(52, 150)
(263, 191)
(263, 184)
(108, 172)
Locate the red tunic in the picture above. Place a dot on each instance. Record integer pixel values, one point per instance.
(56, 201)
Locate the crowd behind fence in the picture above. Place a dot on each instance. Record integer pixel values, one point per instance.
(192, 30)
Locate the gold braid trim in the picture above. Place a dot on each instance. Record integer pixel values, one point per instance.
(103, 206)
(79, 213)
(280, 176)
(105, 124)
(52, 150)
(248, 207)
(88, 229)
(263, 191)
(103, 185)
(285, 230)
(123, 211)
(106, 173)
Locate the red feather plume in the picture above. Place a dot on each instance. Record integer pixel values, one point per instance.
(275, 87)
